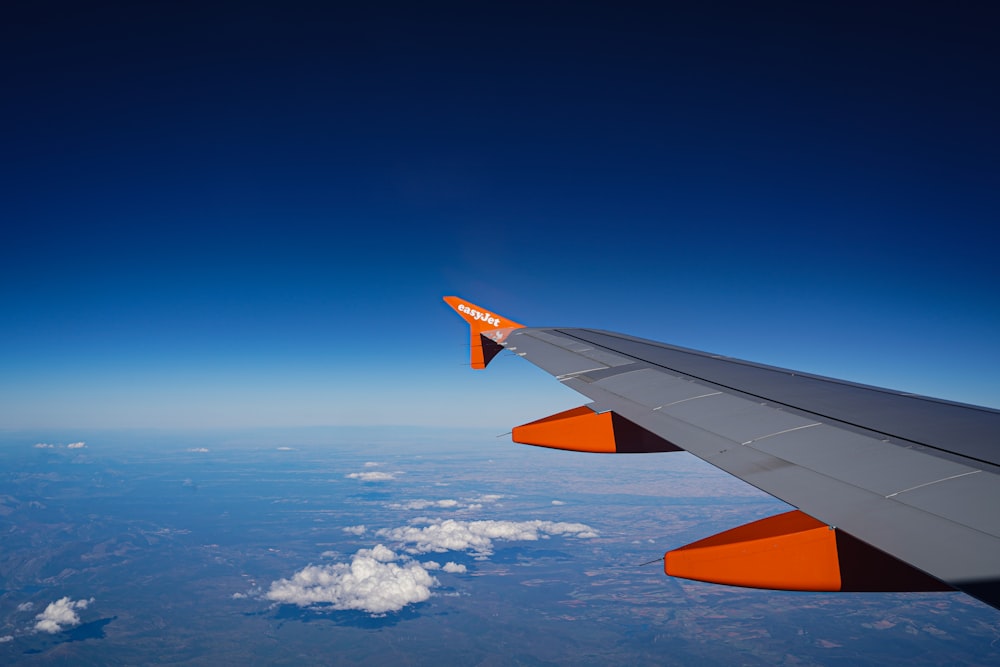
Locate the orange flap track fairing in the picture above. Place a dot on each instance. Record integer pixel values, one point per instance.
(583, 430)
(795, 552)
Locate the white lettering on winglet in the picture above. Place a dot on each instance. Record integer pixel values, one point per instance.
(476, 315)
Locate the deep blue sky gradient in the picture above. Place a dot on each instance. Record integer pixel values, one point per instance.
(242, 214)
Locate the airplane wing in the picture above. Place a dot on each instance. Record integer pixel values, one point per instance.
(894, 491)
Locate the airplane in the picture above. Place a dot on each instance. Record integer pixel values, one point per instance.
(893, 492)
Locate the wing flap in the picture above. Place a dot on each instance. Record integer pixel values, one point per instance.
(950, 498)
(862, 461)
(736, 418)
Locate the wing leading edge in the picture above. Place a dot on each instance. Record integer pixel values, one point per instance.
(894, 492)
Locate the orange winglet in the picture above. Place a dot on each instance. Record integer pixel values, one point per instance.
(795, 552)
(583, 430)
(486, 330)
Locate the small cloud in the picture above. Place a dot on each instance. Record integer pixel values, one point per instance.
(373, 476)
(286, 449)
(373, 582)
(6, 638)
(431, 565)
(239, 596)
(60, 615)
(76, 445)
(199, 450)
(354, 530)
(372, 464)
(26, 606)
(558, 502)
(43, 445)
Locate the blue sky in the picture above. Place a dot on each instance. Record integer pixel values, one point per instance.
(244, 215)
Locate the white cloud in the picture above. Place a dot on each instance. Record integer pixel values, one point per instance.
(60, 615)
(239, 596)
(372, 582)
(447, 567)
(558, 502)
(473, 503)
(424, 504)
(286, 449)
(373, 476)
(26, 606)
(478, 536)
(379, 580)
(372, 464)
(6, 638)
(72, 445)
(199, 450)
(486, 498)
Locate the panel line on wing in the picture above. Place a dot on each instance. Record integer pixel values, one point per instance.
(936, 481)
(570, 376)
(690, 398)
(787, 430)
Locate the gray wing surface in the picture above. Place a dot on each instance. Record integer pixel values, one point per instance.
(916, 477)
